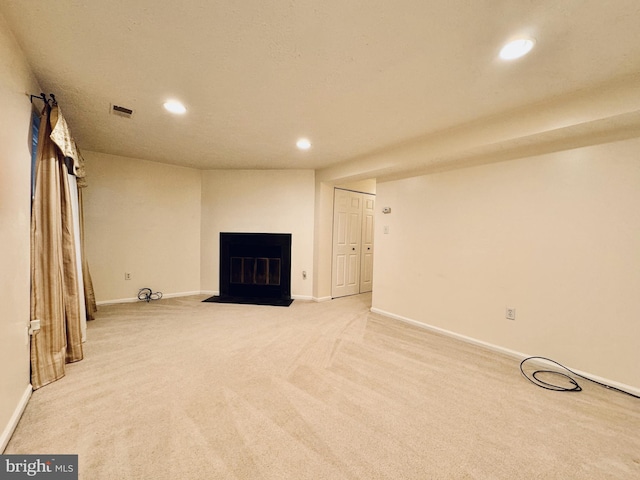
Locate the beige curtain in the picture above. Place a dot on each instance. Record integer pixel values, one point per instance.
(89, 294)
(54, 289)
(61, 135)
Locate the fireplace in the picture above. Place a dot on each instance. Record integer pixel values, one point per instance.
(255, 268)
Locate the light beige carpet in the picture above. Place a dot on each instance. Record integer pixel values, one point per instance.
(179, 389)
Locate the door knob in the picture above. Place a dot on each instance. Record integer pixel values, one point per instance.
(353, 248)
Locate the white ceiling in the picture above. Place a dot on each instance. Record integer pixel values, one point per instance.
(353, 76)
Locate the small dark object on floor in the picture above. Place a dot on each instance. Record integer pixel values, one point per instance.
(275, 302)
(145, 294)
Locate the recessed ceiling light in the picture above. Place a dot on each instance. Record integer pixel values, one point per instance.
(303, 144)
(174, 106)
(517, 48)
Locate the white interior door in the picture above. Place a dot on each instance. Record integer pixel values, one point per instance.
(366, 257)
(347, 232)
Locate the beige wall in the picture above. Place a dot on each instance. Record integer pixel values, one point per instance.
(16, 79)
(269, 201)
(606, 113)
(554, 236)
(322, 242)
(364, 186)
(144, 218)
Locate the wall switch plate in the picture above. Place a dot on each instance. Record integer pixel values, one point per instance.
(510, 313)
(385, 229)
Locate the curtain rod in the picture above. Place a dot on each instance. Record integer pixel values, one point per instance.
(43, 97)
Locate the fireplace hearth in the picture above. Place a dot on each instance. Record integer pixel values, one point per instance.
(255, 268)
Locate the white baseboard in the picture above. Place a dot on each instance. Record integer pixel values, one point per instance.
(181, 294)
(116, 300)
(321, 299)
(449, 333)
(185, 294)
(302, 297)
(164, 295)
(15, 418)
(499, 349)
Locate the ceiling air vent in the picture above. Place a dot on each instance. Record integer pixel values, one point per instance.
(121, 111)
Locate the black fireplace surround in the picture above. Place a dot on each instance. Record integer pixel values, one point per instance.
(255, 268)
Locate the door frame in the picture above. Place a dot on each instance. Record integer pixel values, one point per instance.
(360, 252)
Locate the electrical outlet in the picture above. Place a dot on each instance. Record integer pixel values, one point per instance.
(127, 276)
(510, 313)
(304, 274)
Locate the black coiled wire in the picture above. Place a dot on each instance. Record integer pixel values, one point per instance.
(534, 378)
(147, 295)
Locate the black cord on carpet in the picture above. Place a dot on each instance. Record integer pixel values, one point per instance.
(559, 388)
(147, 295)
